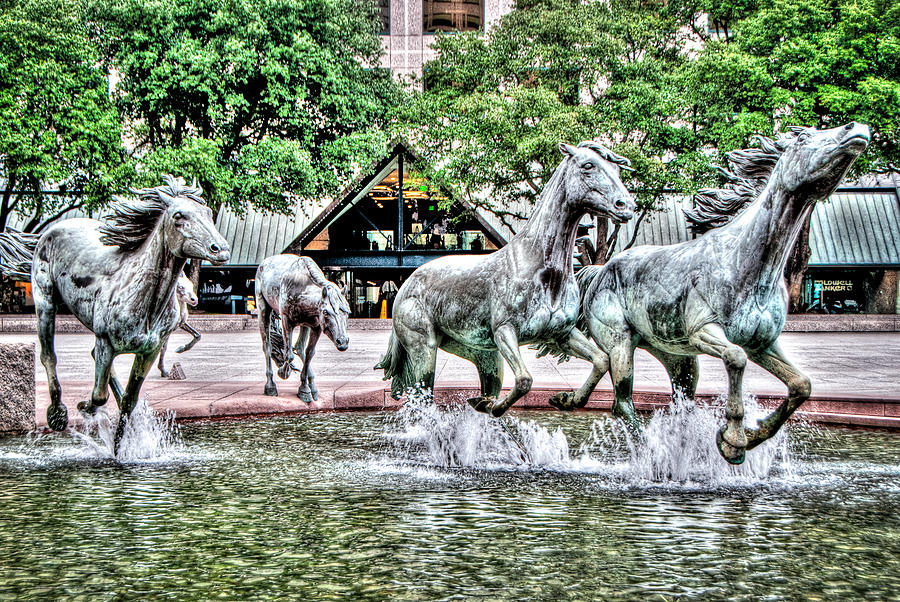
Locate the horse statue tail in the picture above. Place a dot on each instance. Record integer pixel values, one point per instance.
(16, 253)
(276, 336)
(396, 365)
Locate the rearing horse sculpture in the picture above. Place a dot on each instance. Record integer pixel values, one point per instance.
(482, 308)
(119, 280)
(723, 293)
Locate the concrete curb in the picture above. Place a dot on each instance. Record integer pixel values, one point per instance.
(204, 401)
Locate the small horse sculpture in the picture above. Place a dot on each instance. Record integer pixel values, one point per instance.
(484, 307)
(16, 251)
(723, 293)
(119, 280)
(184, 297)
(293, 290)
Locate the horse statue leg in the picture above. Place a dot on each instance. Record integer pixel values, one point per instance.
(578, 345)
(683, 370)
(103, 359)
(308, 337)
(45, 308)
(413, 348)
(731, 440)
(161, 364)
(508, 344)
(776, 363)
(142, 364)
(487, 362)
(190, 344)
(264, 317)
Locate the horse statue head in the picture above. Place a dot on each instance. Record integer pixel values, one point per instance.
(807, 161)
(184, 291)
(181, 215)
(592, 180)
(815, 161)
(334, 314)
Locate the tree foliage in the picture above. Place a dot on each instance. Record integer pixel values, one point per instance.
(58, 127)
(652, 80)
(264, 101)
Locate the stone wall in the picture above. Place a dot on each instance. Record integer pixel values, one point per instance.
(16, 387)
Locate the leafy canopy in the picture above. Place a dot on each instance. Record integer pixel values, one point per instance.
(58, 126)
(264, 101)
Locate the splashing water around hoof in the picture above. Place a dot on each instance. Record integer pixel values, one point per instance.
(458, 436)
(677, 445)
(148, 435)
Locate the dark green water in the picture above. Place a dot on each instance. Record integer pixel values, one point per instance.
(328, 506)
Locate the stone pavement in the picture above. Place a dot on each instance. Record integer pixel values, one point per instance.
(855, 377)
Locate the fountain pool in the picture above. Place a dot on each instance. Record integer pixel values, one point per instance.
(439, 504)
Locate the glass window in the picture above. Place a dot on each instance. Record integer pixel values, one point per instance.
(384, 14)
(452, 15)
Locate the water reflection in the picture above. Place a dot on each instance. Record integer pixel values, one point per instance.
(330, 506)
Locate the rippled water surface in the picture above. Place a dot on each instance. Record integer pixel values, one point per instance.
(429, 504)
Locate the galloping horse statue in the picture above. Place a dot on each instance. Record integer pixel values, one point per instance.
(119, 280)
(184, 296)
(723, 293)
(482, 308)
(292, 291)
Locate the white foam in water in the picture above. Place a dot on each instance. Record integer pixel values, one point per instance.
(148, 435)
(677, 444)
(458, 436)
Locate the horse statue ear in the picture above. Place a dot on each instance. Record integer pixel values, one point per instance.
(566, 149)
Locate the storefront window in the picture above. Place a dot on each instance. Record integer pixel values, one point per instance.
(452, 15)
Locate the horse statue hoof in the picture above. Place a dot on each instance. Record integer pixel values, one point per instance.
(86, 407)
(732, 454)
(284, 371)
(480, 404)
(564, 401)
(57, 417)
(305, 396)
(271, 391)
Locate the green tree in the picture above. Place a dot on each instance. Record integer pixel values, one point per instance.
(263, 101)
(495, 105)
(58, 126)
(800, 62)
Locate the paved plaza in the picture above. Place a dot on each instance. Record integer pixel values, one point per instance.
(225, 375)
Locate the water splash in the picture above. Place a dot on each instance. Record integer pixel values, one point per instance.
(458, 436)
(676, 446)
(148, 435)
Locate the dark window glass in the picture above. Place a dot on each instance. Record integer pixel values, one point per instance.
(384, 13)
(452, 15)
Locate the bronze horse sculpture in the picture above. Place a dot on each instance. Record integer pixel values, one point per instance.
(482, 308)
(119, 281)
(292, 291)
(721, 294)
(184, 296)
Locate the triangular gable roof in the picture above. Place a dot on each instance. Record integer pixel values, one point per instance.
(360, 187)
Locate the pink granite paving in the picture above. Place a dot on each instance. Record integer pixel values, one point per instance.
(855, 377)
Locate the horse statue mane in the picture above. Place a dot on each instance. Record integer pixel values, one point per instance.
(16, 252)
(331, 289)
(605, 153)
(749, 171)
(134, 220)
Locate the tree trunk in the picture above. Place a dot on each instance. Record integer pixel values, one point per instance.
(602, 233)
(795, 268)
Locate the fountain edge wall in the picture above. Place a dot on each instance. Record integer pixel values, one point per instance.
(17, 387)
